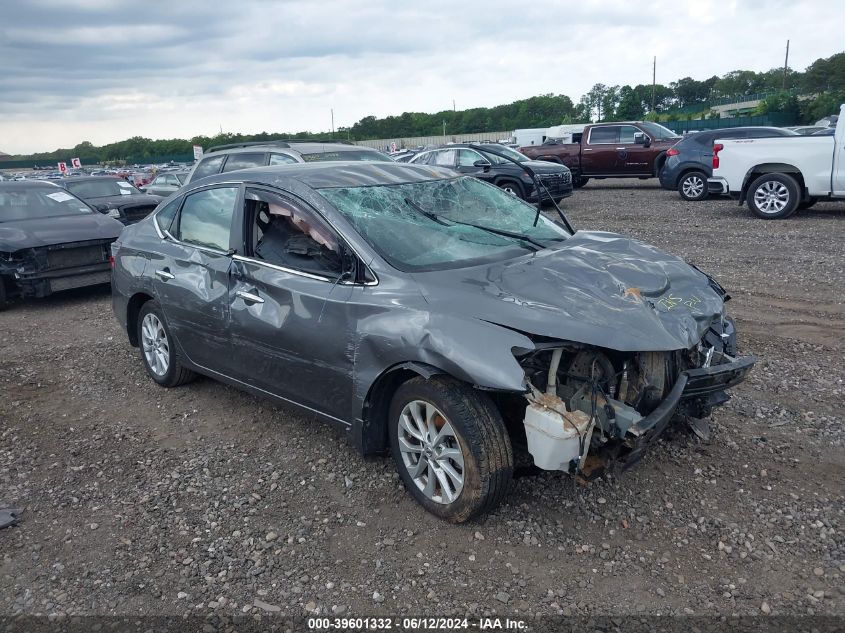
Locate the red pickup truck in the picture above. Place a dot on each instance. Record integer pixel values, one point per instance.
(631, 149)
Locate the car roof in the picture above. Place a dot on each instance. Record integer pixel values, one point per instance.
(20, 185)
(324, 175)
(110, 178)
(303, 147)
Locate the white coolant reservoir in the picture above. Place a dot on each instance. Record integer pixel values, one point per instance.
(554, 438)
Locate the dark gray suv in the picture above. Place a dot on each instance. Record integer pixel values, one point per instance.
(689, 162)
(429, 314)
(226, 158)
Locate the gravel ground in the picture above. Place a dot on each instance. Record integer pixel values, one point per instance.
(140, 500)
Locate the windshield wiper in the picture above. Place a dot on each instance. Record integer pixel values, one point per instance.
(516, 236)
(450, 222)
(428, 214)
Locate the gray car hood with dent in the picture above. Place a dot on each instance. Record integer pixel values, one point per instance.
(596, 288)
(64, 229)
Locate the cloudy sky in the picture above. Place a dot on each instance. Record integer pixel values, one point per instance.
(105, 70)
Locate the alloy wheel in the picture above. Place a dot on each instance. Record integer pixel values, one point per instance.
(771, 196)
(155, 344)
(431, 451)
(693, 186)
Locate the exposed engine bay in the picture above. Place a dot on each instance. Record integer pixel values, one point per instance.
(607, 405)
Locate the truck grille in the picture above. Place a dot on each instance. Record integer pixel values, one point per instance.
(79, 256)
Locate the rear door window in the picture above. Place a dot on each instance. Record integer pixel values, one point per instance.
(206, 218)
(445, 158)
(208, 167)
(282, 159)
(605, 134)
(244, 161)
(164, 218)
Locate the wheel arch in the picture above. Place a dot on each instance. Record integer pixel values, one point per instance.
(772, 168)
(370, 432)
(133, 309)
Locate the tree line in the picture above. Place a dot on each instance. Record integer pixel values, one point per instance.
(808, 96)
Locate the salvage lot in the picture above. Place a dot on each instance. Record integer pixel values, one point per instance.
(146, 501)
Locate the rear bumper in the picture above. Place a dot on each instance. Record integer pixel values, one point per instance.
(718, 186)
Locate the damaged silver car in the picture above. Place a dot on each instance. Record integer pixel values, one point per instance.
(432, 316)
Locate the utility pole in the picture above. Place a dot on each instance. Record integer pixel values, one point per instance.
(332, 122)
(453, 105)
(785, 65)
(444, 127)
(653, 81)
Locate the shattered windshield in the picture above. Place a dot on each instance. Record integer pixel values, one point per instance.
(41, 202)
(520, 158)
(86, 189)
(440, 224)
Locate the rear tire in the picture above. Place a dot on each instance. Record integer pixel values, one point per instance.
(451, 447)
(579, 181)
(693, 186)
(773, 196)
(159, 350)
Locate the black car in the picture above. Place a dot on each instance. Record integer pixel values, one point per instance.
(112, 196)
(689, 162)
(50, 240)
(481, 160)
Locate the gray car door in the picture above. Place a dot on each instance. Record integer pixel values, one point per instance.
(191, 275)
(290, 323)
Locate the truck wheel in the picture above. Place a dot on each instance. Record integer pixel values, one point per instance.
(773, 196)
(513, 188)
(451, 447)
(579, 181)
(693, 186)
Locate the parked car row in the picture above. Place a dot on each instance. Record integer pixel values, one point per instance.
(686, 164)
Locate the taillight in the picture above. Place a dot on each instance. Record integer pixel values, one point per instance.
(717, 147)
(111, 261)
(672, 152)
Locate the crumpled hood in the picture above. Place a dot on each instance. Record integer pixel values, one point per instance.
(59, 230)
(116, 202)
(597, 288)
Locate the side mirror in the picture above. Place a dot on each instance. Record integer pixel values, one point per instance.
(641, 138)
(481, 163)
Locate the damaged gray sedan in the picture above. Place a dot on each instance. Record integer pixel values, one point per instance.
(433, 317)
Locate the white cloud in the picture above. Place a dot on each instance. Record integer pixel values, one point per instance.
(102, 72)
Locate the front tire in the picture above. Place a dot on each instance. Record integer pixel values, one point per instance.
(579, 181)
(773, 196)
(451, 447)
(513, 188)
(159, 351)
(693, 186)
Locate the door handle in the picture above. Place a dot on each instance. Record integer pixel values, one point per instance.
(248, 296)
(164, 275)
(621, 148)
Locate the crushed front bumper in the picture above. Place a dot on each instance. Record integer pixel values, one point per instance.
(705, 384)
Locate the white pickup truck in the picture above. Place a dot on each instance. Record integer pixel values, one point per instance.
(778, 176)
